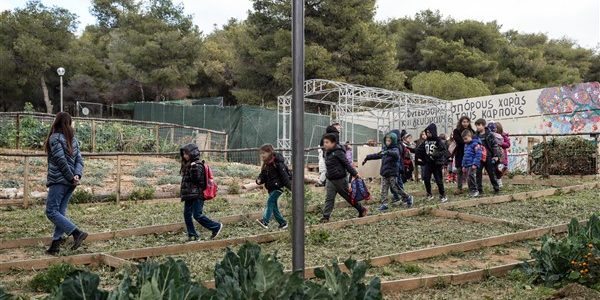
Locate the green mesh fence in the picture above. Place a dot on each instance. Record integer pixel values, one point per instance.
(246, 126)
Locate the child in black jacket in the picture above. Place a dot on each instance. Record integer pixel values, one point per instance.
(434, 155)
(275, 176)
(193, 183)
(338, 168)
(390, 158)
(494, 153)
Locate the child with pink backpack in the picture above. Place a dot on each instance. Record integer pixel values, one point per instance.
(503, 141)
(195, 183)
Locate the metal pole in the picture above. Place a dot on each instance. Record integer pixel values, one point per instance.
(298, 135)
(61, 94)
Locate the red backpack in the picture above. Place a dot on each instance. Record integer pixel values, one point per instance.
(210, 192)
(483, 152)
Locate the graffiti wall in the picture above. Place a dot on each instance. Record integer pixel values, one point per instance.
(565, 109)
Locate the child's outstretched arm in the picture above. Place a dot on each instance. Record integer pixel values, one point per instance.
(373, 156)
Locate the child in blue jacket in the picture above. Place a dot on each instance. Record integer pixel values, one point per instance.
(389, 171)
(472, 160)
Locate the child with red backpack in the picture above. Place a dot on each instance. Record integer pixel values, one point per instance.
(275, 176)
(194, 183)
(474, 154)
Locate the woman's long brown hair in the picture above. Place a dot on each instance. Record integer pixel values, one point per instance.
(62, 124)
(269, 149)
(499, 128)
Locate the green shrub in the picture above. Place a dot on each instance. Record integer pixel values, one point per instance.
(564, 156)
(169, 179)
(574, 258)
(141, 194)
(236, 171)
(50, 278)
(9, 183)
(412, 268)
(319, 236)
(5, 296)
(92, 180)
(234, 188)
(81, 196)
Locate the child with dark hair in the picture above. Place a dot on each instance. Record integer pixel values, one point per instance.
(389, 171)
(464, 123)
(333, 129)
(471, 162)
(504, 142)
(275, 176)
(493, 155)
(434, 155)
(407, 158)
(193, 184)
(338, 168)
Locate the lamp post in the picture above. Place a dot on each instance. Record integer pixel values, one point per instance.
(298, 135)
(61, 72)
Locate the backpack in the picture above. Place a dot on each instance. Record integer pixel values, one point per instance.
(359, 191)
(210, 192)
(483, 152)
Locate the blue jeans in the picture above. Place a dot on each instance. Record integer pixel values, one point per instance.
(56, 209)
(193, 208)
(273, 209)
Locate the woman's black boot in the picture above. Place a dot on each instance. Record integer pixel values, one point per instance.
(54, 248)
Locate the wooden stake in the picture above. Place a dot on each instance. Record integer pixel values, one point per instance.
(26, 183)
(18, 138)
(226, 146)
(94, 136)
(118, 198)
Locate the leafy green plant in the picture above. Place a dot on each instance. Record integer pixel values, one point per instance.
(80, 285)
(340, 285)
(82, 196)
(9, 183)
(144, 170)
(574, 258)
(169, 179)
(141, 182)
(234, 188)
(141, 194)
(50, 278)
(412, 269)
(319, 236)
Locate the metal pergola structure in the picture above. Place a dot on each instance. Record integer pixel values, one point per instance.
(352, 104)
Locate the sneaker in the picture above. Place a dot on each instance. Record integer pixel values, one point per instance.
(430, 197)
(395, 201)
(192, 239)
(383, 207)
(262, 223)
(458, 192)
(409, 201)
(474, 194)
(78, 238)
(500, 182)
(216, 233)
(283, 226)
(443, 199)
(319, 184)
(324, 220)
(364, 212)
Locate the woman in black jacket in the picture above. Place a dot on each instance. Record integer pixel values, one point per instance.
(193, 183)
(464, 123)
(275, 176)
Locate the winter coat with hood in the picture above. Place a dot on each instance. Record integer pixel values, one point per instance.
(62, 167)
(193, 179)
(390, 157)
(433, 151)
(488, 140)
(503, 141)
(472, 153)
(337, 165)
(459, 151)
(274, 174)
(401, 149)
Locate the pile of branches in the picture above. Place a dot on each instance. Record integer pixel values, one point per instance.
(564, 156)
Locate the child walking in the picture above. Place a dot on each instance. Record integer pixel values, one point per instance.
(275, 177)
(65, 168)
(434, 155)
(493, 155)
(338, 168)
(390, 157)
(472, 156)
(193, 184)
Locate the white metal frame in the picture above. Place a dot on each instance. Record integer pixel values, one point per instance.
(351, 102)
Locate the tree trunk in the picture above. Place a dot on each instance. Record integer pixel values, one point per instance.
(46, 97)
(142, 91)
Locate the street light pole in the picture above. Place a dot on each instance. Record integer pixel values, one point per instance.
(298, 135)
(61, 72)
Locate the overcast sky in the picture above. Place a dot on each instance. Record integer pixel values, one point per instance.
(576, 19)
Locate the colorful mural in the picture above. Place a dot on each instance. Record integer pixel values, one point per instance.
(573, 108)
